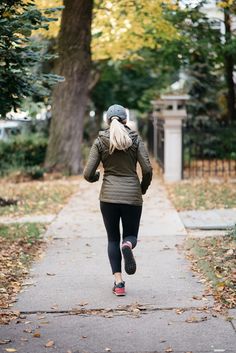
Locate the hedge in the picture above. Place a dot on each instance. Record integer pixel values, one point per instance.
(22, 152)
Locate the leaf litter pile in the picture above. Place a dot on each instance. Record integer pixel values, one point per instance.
(214, 258)
(202, 194)
(19, 244)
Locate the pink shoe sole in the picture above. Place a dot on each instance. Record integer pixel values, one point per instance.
(120, 293)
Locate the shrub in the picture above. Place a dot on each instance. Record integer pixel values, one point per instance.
(22, 152)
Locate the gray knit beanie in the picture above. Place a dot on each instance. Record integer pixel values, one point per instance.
(116, 110)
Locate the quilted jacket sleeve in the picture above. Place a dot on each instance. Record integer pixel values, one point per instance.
(90, 173)
(145, 165)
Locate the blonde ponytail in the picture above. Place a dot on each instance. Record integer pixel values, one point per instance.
(119, 137)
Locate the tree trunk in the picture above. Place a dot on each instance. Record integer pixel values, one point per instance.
(70, 97)
(229, 69)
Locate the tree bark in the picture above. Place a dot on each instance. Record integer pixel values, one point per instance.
(70, 97)
(229, 69)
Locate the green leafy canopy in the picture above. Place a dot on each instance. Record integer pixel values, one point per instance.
(21, 53)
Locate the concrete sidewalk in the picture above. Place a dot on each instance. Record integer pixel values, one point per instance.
(216, 219)
(69, 300)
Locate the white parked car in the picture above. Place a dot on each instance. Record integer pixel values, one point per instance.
(9, 129)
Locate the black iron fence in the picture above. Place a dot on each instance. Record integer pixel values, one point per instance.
(209, 151)
(160, 142)
(155, 139)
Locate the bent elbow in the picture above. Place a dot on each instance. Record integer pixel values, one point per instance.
(91, 178)
(148, 172)
(86, 175)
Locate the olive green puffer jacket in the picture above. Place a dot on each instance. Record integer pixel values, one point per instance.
(120, 181)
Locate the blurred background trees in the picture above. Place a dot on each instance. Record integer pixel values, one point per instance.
(139, 49)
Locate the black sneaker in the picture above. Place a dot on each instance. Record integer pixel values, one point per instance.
(119, 289)
(130, 264)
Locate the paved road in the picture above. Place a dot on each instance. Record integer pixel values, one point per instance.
(68, 299)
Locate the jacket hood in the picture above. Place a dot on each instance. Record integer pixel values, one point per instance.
(104, 136)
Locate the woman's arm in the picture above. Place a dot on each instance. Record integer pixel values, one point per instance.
(90, 173)
(145, 165)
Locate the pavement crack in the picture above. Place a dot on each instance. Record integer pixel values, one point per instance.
(232, 324)
(130, 309)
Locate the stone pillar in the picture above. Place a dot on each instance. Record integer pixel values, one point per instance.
(173, 149)
(172, 111)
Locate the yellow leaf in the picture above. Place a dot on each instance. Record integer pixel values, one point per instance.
(218, 275)
(221, 284)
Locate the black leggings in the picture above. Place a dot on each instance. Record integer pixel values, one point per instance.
(130, 217)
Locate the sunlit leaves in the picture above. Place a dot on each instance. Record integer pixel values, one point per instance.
(225, 4)
(122, 28)
(54, 26)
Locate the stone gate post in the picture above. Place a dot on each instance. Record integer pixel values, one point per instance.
(172, 111)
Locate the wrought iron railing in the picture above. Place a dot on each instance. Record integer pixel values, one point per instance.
(209, 151)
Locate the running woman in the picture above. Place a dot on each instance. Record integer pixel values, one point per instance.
(119, 149)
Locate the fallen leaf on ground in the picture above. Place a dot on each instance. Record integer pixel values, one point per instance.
(37, 334)
(10, 350)
(49, 344)
(168, 350)
(195, 319)
(109, 316)
(179, 311)
(5, 341)
(196, 297)
(54, 307)
(83, 303)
